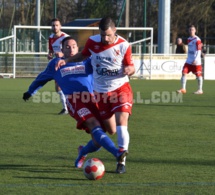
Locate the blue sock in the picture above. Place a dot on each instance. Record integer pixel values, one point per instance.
(102, 139)
(89, 148)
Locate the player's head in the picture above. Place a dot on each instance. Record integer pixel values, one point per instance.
(56, 25)
(107, 30)
(192, 30)
(69, 47)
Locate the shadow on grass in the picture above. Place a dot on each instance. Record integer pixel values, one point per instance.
(179, 162)
(186, 161)
(45, 170)
(34, 168)
(41, 169)
(49, 178)
(18, 112)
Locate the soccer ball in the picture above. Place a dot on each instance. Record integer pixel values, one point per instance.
(94, 169)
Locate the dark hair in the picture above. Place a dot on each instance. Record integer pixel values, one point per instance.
(192, 26)
(66, 39)
(106, 22)
(55, 19)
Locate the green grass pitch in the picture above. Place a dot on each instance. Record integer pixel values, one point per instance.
(172, 143)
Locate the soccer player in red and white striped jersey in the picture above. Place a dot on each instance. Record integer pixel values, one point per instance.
(55, 46)
(112, 65)
(55, 39)
(193, 62)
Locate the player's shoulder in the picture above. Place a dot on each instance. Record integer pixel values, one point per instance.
(51, 36)
(63, 34)
(87, 61)
(52, 63)
(120, 39)
(195, 38)
(198, 38)
(95, 38)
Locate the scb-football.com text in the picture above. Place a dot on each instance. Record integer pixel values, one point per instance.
(138, 98)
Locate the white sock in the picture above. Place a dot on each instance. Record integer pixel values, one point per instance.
(123, 138)
(200, 83)
(62, 99)
(183, 82)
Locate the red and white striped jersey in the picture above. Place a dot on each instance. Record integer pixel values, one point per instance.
(108, 62)
(55, 42)
(194, 50)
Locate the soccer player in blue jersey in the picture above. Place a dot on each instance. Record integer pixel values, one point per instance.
(76, 81)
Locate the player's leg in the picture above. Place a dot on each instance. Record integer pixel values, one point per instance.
(75, 108)
(62, 99)
(185, 70)
(122, 110)
(119, 100)
(184, 82)
(200, 84)
(83, 151)
(198, 73)
(122, 129)
(107, 117)
(100, 137)
(123, 137)
(110, 124)
(83, 113)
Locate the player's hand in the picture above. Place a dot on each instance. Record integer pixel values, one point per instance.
(60, 63)
(26, 96)
(59, 54)
(194, 62)
(129, 70)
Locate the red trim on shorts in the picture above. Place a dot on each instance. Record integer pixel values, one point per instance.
(81, 107)
(119, 100)
(195, 69)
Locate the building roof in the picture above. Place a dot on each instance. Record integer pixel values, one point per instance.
(84, 22)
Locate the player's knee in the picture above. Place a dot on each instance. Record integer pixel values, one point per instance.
(110, 129)
(92, 122)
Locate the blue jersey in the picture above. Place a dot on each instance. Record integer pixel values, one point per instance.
(73, 77)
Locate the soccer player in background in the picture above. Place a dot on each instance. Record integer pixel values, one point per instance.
(55, 40)
(75, 79)
(112, 64)
(193, 62)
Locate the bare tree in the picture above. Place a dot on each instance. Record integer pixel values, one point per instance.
(183, 12)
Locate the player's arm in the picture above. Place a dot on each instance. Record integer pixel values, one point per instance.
(39, 82)
(76, 58)
(59, 54)
(51, 51)
(80, 56)
(50, 54)
(198, 52)
(129, 68)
